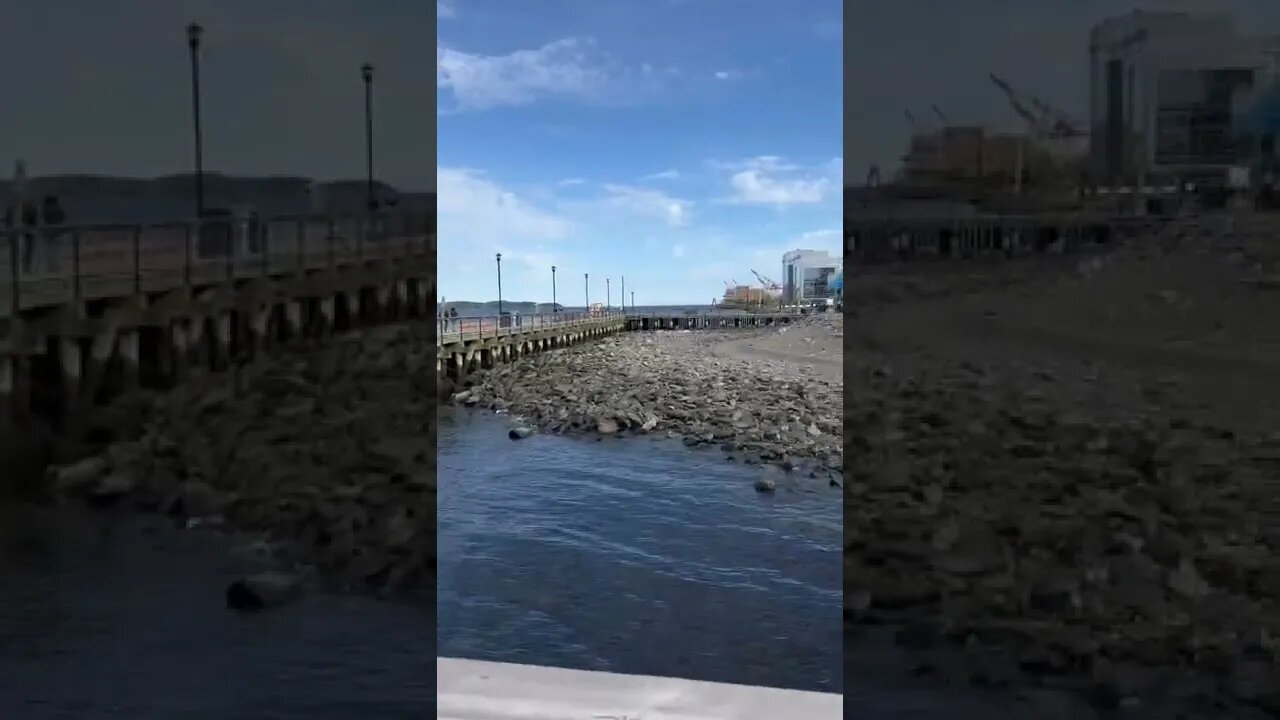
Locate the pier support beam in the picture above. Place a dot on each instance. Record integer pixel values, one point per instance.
(129, 350)
(71, 364)
(293, 319)
(8, 378)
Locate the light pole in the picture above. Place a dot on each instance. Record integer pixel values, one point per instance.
(499, 256)
(633, 301)
(622, 295)
(554, 308)
(586, 291)
(193, 45)
(607, 295)
(366, 72)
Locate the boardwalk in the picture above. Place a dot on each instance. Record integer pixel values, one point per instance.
(99, 307)
(471, 329)
(50, 267)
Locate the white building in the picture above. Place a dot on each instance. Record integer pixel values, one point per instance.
(807, 275)
(1166, 92)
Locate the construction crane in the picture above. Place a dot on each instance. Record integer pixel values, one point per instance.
(1045, 119)
(766, 282)
(1043, 122)
(911, 119)
(942, 118)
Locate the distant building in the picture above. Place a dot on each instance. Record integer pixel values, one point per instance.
(1168, 92)
(807, 275)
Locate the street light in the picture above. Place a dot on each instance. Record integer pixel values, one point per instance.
(193, 45)
(622, 294)
(499, 287)
(366, 72)
(633, 301)
(607, 295)
(554, 308)
(586, 291)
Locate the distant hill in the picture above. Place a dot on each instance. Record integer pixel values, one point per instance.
(110, 199)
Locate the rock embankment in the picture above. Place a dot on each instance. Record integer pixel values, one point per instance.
(1078, 524)
(319, 461)
(756, 410)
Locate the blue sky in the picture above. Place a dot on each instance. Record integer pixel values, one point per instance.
(678, 143)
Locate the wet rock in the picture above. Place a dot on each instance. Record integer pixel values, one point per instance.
(606, 426)
(79, 475)
(264, 590)
(766, 485)
(112, 487)
(519, 433)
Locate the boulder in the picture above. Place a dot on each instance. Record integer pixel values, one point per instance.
(519, 433)
(264, 590)
(765, 485)
(79, 475)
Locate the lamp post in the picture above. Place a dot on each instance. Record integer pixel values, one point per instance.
(607, 295)
(586, 291)
(366, 72)
(633, 301)
(194, 32)
(554, 308)
(499, 256)
(622, 295)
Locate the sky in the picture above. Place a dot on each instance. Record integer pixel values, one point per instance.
(104, 87)
(677, 143)
(912, 54)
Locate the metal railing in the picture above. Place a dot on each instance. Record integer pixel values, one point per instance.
(461, 329)
(46, 266)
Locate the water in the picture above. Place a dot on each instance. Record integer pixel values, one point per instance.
(119, 620)
(640, 556)
(633, 556)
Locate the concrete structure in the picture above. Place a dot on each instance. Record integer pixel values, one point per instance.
(86, 311)
(469, 344)
(898, 239)
(483, 690)
(1166, 91)
(806, 275)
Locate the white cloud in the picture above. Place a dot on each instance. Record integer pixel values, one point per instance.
(664, 175)
(769, 180)
(728, 74)
(570, 67)
(473, 207)
(648, 203)
(445, 9)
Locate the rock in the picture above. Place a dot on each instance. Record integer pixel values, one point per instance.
(263, 590)
(519, 433)
(196, 499)
(78, 475)
(765, 485)
(606, 426)
(112, 487)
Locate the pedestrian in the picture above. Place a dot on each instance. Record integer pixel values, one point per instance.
(30, 220)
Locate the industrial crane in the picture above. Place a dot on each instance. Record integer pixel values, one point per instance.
(766, 282)
(942, 118)
(1044, 122)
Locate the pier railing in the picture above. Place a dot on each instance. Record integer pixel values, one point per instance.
(462, 329)
(48, 266)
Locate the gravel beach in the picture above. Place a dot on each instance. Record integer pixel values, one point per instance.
(1062, 475)
(766, 397)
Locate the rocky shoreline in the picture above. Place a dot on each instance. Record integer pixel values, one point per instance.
(318, 462)
(1090, 534)
(756, 411)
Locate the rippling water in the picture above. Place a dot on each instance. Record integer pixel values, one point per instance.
(633, 556)
(124, 621)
